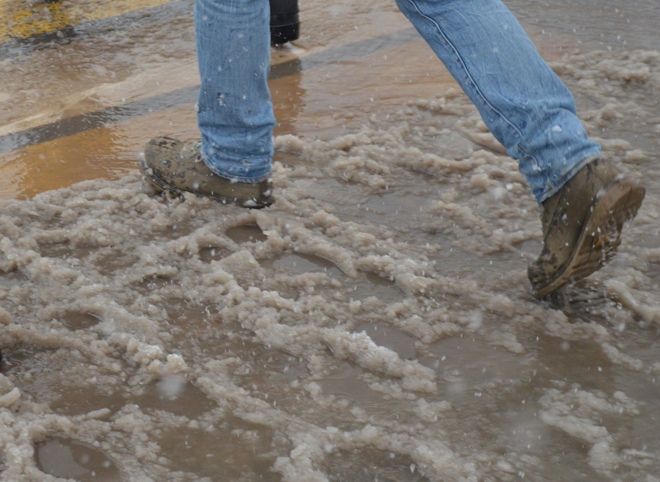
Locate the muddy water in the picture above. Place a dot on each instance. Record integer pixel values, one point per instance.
(375, 324)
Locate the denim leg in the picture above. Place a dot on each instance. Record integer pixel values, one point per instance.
(235, 112)
(521, 100)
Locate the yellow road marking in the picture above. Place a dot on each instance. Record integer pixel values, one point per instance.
(21, 19)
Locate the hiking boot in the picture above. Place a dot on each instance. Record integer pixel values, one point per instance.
(177, 167)
(582, 225)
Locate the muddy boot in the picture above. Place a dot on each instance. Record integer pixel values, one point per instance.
(177, 167)
(582, 225)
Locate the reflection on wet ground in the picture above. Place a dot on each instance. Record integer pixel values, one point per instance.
(233, 450)
(74, 320)
(247, 233)
(75, 460)
(374, 324)
(302, 263)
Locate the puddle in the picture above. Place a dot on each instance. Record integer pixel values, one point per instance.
(62, 250)
(336, 191)
(76, 460)
(153, 282)
(345, 382)
(213, 253)
(248, 233)
(188, 319)
(585, 362)
(273, 374)
(306, 263)
(175, 395)
(390, 337)
(171, 394)
(521, 430)
(589, 21)
(467, 364)
(374, 285)
(641, 432)
(200, 332)
(370, 465)
(258, 359)
(110, 261)
(232, 450)
(75, 320)
(79, 400)
(396, 207)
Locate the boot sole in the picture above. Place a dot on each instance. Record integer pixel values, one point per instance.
(161, 186)
(600, 236)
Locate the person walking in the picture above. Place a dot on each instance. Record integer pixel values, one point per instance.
(585, 198)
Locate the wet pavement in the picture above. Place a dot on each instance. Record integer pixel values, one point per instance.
(375, 324)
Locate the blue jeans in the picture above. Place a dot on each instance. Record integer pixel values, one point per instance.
(523, 103)
(234, 110)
